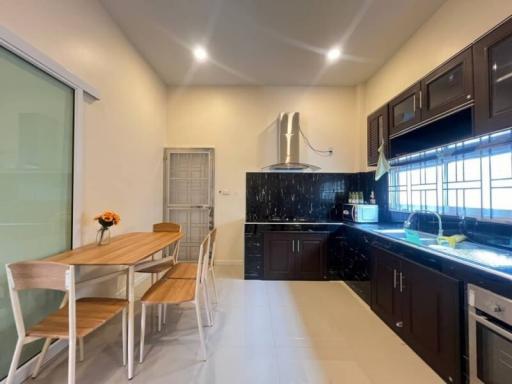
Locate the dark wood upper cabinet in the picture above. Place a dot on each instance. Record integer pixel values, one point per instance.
(295, 256)
(377, 133)
(404, 110)
(448, 87)
(493, 80)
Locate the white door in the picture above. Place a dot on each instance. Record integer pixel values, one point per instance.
(188, 195)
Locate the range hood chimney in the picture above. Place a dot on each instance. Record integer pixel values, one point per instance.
(288, 145)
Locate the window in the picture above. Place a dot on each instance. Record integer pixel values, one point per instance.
(36, 183)
(470, 178)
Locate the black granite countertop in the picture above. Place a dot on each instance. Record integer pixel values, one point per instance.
(488, 259)
(296, 223)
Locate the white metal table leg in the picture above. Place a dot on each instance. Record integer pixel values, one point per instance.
(131, 315)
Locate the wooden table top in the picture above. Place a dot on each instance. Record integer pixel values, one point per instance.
(126, 249)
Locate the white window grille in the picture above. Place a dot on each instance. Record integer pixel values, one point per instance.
(471, 178)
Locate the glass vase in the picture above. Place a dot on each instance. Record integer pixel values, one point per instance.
(103, 236)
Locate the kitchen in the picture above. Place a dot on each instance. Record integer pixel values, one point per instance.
(348, 163)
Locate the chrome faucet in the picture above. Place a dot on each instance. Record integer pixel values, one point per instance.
(407, 223)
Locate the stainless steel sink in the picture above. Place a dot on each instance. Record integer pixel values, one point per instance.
(414, 237)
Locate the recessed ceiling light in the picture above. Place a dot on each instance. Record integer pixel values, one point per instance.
(333, 54)
(200, 54)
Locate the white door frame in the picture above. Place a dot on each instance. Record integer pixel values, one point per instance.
(211, 188)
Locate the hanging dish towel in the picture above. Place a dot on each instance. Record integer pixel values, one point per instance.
(383, 166)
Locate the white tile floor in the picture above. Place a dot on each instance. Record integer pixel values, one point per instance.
(265, 332)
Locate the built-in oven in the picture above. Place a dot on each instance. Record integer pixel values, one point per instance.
(490, 337)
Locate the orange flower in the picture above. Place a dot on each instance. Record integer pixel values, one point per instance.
(108, 218)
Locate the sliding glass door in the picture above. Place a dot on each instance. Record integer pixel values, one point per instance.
(36, 184)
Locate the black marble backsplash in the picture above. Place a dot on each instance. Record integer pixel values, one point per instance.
(307, 197)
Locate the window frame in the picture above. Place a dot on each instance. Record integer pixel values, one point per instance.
(446, 160)
(82, 89)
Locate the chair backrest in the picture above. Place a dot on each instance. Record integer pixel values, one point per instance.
(213, 238)
(169, 227)
(41, 275)
(166, 227)
(202, 262)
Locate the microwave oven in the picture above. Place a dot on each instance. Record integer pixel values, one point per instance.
(361, 213)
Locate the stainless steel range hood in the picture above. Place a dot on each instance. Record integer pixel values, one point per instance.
(288, 145)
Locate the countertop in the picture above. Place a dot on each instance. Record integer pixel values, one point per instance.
(492, 260)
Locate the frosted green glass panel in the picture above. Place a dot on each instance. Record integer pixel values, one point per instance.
(36, 170)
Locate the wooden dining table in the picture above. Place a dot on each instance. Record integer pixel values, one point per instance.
(125, 250)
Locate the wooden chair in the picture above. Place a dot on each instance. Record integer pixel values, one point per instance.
(177, 291)
(155, 267)
(188, 270)
(75, 319)
(158, 266)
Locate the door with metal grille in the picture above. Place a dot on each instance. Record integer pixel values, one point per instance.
(188, 195)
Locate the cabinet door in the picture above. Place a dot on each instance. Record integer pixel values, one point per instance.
(448, 87)
(385, 297)
(404, 110)
(311, 249)
(377, 133)
(431, 318)
(279, 256)
(493, 80)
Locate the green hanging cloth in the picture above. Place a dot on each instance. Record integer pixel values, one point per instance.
(383, 166)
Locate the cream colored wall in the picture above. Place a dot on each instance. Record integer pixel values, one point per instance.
(236, 121)
(125, 131)
(454, 26)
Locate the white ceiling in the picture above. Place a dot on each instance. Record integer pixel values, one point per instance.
(269, 42)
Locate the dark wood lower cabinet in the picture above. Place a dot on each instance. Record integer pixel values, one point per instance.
(431, 318)
(423, 307)
(295, 255)
(385, 297)
(279, 254)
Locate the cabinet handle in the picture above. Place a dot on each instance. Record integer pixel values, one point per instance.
(421, 100)
(394, 278)
(293, 246)
(414, 103)
(400, 324)
(401, 282)
(298, 246)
